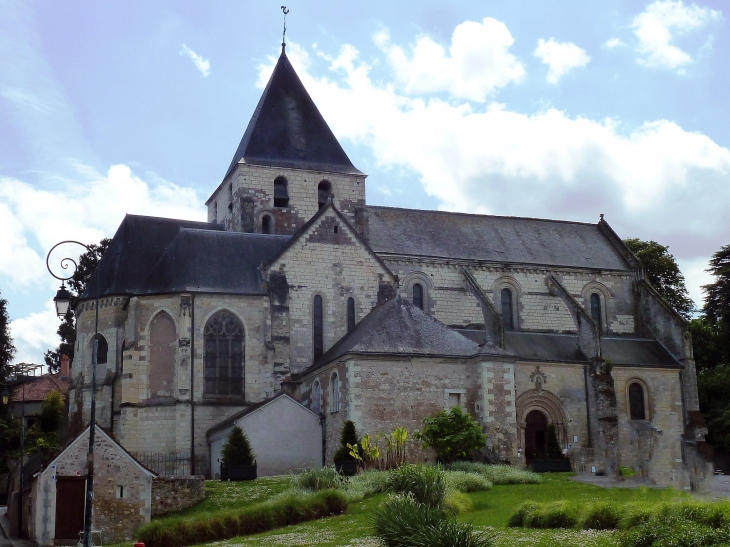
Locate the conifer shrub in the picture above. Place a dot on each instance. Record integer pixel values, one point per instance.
(237, 450)
(347, 436)
(552, 448)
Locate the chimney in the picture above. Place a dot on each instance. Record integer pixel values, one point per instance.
(65, 366)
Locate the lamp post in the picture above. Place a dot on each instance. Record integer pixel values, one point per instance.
(62, 301)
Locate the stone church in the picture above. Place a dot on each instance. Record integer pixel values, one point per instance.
(383, 316)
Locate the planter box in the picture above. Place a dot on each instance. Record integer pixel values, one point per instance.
(238, 472)
(347, 468)
(550, 466)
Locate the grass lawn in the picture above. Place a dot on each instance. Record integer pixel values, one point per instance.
(491, 511)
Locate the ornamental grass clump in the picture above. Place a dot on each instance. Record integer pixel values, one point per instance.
(497, 474)
(467, 482)
(557, 514)
(365, 483)
(426, 483)
(324, 478)
(600, 516)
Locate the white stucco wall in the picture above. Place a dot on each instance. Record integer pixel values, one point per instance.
(284, 435)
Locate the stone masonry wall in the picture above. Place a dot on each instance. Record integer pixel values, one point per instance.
(240, 202)
(170, 494)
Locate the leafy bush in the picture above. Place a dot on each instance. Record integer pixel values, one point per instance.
(456, 503)
(453, 434)
(497, 474)
(426, 483)
(347, 436)
(325, 478)
(285, 510)
(403, 522)
(237, 450)
(600, 516)
(52, 412)
(467, 482)
(626, 472)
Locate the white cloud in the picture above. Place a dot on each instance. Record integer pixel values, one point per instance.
(613, 43)
(658, 25)
(203, 65)
(695, 277)
(475, 65)
(561, 57)
(34, 334)
(654, 181)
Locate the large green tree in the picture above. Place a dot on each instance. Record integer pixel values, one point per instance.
(7, 349)
(717, 301)
(87, 263)
(663, 272)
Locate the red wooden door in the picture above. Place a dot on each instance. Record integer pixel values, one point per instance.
(70, 503)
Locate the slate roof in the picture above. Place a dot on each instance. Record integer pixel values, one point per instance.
(564, 348)
(214, 262)
(287, 129)
(491, 238)
(399, 327)
(134, 251)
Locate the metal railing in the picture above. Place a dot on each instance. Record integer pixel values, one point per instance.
(172, 463)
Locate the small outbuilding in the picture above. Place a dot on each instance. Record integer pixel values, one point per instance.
(57, 494)
(285, 436)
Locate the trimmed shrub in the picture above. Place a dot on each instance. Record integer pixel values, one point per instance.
(347, 436)
(453, 434)
(467, 482)
(425, 483)
(237, 450)
(600, 516)
(325, 478)
(403, 522)
(285, 510)
(497, 474)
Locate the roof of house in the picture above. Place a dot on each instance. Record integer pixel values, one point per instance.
(215, 262)
(287, 130)
(398, 327)
(491, 238)
(134, 251)
(37, 388)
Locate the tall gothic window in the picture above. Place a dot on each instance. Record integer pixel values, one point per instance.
(162, 351)
(335, 382)
(507, 316)
(316, 397)
(224, 355)
(323, 193)
(281, 192)
(350, 314)
(596, 309)
(418, 295)
(266, 224)
(102, 352)
(317, 327)
(636, 402)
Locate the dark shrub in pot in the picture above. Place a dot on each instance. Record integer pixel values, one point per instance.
(237, 461)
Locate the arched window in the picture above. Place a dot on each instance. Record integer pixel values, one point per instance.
(636, 402)
(317, 327)
(281, 192)
(335, 383)
(350, 314)
(316, 397)
(417, 295)
(224, 355)
(596, 309)
(162, 353)
(102, 352)
(323, 193)
(507, 316)
(266, 224)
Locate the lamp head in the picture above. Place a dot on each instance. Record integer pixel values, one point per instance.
(63, 301)
(5, 396)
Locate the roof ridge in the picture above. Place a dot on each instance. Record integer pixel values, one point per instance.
(460, 213)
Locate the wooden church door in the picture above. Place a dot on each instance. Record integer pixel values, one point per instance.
(535, 435)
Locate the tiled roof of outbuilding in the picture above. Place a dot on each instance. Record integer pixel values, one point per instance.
(287, 129)
(38, 388)
(491, 238)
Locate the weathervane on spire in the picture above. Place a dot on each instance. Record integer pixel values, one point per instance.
(283, 36)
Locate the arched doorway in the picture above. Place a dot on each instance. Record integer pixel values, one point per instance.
(535, 435)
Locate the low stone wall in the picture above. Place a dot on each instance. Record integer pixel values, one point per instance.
(175, 493)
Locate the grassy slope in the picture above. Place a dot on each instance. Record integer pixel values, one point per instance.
(491, 509)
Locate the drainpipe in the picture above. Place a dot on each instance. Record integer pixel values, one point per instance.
(192, 384)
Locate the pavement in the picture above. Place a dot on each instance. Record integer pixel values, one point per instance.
(5, 539)
(718, 487)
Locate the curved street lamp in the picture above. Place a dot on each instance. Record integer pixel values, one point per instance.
(62, 301)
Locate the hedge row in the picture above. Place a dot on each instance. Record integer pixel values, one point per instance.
(277, 513)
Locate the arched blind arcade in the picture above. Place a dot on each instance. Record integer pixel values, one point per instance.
(224, 355)
(507, 318)
(102, 353)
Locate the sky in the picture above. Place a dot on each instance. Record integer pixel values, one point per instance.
(561, 110)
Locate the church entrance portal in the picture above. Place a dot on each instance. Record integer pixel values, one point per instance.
(535, 435)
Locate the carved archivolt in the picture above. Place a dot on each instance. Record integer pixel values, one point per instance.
(549, 404)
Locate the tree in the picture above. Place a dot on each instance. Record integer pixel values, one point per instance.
(347, 436)
(663, 273)
(713, 388)
(7, 349)
(552, 448)
(453, 434)
(87, 264)
(717, 300)
(237, 450)
(707, 343)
